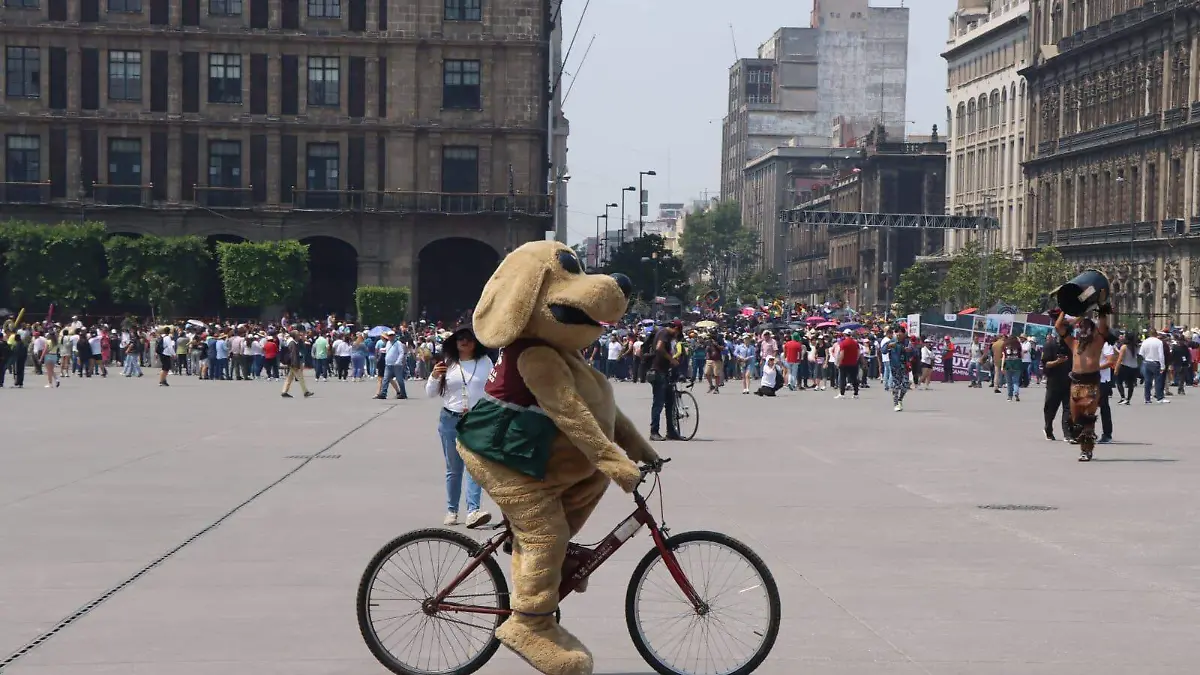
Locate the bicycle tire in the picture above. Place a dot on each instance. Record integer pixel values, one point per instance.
(673, 543)
(693, 417)
(362, 600)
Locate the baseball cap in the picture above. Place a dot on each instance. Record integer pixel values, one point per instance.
(846, 332)
(675, 324)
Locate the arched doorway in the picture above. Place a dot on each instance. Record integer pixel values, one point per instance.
(451, 274)
(212, 301)
(332, 277)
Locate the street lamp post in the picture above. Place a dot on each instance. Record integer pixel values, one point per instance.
(607, 255)
(653, 260)
(596, 260)
(641, 212)
(621, 236)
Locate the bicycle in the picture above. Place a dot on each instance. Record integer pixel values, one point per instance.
(475, 600)
(687, 412)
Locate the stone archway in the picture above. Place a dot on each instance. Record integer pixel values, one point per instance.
(333, 276)
(451, 274)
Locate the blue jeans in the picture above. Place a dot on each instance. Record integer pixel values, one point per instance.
(793, 375)
(131, 365)
(320, 368)
(359, 362)
(1151, 371)
(454, 467)
(664, 398)
(697, 370)
(390, 373)
(974, 371)
(1014, 384)
(256, 365)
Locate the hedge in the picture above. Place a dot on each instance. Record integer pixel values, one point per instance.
(166, 272)
(45, 264)
(381, 305)
(260, 274)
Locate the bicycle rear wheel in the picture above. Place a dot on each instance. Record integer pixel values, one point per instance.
(687, 415)
(737, 629)
(391, 613)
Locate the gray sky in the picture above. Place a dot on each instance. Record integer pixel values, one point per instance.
(652, 92)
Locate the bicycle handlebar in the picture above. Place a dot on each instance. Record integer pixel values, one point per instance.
(653, 467)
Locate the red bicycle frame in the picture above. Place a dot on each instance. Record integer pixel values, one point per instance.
(589, 561)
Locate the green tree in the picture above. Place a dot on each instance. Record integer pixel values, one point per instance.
(961, 285)
(1044, 272)
(663, 267)
(259, 274)
(716, 246)
(53, 264)
(756, 283)
(381, 305)
(166, 272)
(917, 290)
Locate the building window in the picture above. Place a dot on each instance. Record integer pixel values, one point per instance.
(460, 84)
(325, 9)
(224, 172)
(24, 70)
(464, 10)
(24, 159)
(125, 76)
(132, 6)
(124, 168)
(322, 176)
(323, 77)
(21, 4)
(224, 78)
(460, 169)
(225, 7)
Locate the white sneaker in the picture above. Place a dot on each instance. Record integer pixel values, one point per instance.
(450, 520)
(898, 407)
(839, 396)
(477, 519)
(856, 397)
(745, 391)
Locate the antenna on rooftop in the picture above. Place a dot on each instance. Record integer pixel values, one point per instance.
(734, 39)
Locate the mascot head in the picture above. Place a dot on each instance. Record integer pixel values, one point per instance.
(541, 291)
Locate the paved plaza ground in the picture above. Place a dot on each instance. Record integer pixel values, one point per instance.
(869, 520)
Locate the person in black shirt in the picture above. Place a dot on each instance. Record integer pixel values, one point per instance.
(662, 363)
(1056, 364)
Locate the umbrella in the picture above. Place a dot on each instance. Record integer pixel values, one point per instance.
(827, 324)
(197, 323)
(377, 331)
(706, 324)
(815, 319)
(647, 322)
(850, 325)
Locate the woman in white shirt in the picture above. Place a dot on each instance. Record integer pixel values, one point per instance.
(459, 378)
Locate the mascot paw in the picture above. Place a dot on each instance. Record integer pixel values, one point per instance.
(545, 645)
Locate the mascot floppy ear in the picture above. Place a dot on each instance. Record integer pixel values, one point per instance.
(508, 299)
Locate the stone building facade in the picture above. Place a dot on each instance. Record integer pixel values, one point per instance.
(988, 46)
(857, 265)
(408, 137)
(1113, 147)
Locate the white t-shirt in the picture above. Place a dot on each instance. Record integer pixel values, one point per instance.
(39, 343)
(614, 351)
(770, 375)
(94, 343)
(1025, 353)
(926, 356)
(1106, 353)
(168, 345)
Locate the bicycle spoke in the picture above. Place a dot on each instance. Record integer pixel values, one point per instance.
(448, 639)
(731, 629)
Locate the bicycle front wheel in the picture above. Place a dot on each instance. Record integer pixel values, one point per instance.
(687, 415)
(737, 628)
(392, 614)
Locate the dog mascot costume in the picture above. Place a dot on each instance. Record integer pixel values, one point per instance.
(547, 437)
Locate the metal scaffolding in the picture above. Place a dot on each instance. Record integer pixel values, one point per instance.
(888, 220)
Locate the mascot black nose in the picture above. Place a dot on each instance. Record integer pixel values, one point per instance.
(625, 283)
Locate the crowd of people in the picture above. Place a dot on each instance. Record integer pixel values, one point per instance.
(223, 351)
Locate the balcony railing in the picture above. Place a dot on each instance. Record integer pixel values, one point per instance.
(1122, 233)
(217, 197)
(24, 193)
(841, 274)
(807, 285)
(112, 194)
(422, 202)
(1129, 19)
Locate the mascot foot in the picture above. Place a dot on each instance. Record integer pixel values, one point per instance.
(545, 645)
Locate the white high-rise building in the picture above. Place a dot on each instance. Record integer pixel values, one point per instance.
(988, 45)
